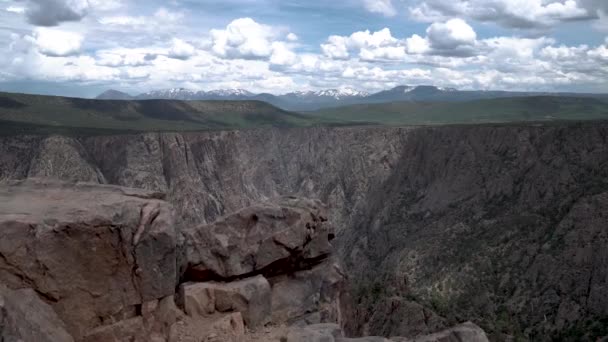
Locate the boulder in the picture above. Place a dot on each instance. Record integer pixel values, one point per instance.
(308, 335)
(95, 252)
(167, 314)
(308, 297)
(222, 328)
(251, 297)
(131, 329)
(25, 317)
(277, 237)
(327, 329)
(464, 332)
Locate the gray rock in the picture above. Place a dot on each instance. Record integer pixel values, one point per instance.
(401, 317)
(464, 332)
(251, 297)
(132, 330)
(274, 238)
(364, 339)
(66, 159)
(25, 317)
(74, 244)
(327, 329)
(307, 335)
(308, 297)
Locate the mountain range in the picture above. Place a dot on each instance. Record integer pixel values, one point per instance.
(315, 100)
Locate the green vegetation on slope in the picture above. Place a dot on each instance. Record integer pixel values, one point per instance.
(516, 109)
(34, 113)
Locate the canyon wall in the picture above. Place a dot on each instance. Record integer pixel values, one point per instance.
(499, 224)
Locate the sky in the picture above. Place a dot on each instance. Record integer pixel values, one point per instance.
(83, 47)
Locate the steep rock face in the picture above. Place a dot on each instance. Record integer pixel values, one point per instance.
(65, 159)
(95, 253)
(430, 215)
(502, 226)
(210, 174)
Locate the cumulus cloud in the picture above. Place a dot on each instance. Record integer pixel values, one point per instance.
(56, 43)
(124, 57)
(161, 52)
(417, 45)
(454, 37)
(379, 45)
(244, 38)
(508, 13)
(181, 49)
(54, 12)
(451, 38)
(384, 7)
(282, 54)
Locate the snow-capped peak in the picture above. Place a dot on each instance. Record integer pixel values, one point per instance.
(171, 93)
(447, 89)
(333, 93)
(229, 92)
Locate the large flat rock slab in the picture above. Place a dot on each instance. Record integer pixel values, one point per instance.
(96, 253)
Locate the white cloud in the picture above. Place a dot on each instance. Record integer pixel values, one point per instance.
(454, 37)
(417, 45)
(292, 37)
(56, 43)
(244, 38)
(336, 47)
(160, 18)
(181, 49)
(379, 45)
(127, 57)
(282, 55)
(384, 7)
(123, 20)
(508, 13)
(15, 9)
(161, 50)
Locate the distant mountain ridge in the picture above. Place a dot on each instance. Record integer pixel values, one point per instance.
(328, 98)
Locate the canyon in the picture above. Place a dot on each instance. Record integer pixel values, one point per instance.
(502, 225)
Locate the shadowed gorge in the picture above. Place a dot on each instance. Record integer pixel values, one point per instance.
(501, 225)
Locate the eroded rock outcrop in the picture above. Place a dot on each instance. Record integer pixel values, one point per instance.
(107, 259)
(271, 262)
(272, 238)
(76, 246)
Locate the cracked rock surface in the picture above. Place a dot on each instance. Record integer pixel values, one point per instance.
(74, 245)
